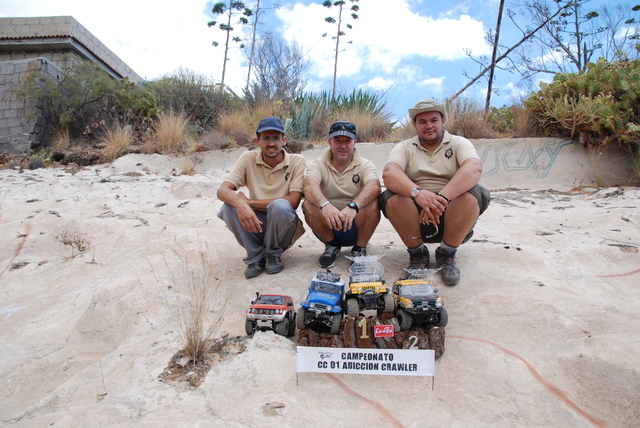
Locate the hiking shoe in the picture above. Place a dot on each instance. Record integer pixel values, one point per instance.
(274, 265)
(448, 269)
(328, 258)
(418, 261)
(254, 269)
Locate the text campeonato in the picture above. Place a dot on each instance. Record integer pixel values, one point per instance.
(366, 356)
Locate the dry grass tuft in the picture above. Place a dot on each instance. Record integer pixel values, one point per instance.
(199, 295)
(60, 139)
(466, 118)
(238, 128)
(117, 141)
(171, 132)
(370, 129)
(402, 132)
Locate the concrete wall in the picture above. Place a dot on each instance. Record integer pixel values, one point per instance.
(20, 122)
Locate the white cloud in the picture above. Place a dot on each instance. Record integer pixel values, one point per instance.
(432, 83)
(378, 84)
(383, 37)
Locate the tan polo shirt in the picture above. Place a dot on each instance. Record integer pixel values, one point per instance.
(432, 171)
(264, 182)
(341, 189)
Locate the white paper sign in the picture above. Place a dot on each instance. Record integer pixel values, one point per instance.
(397, 362)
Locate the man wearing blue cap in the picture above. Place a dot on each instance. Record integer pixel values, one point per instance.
(265, 223)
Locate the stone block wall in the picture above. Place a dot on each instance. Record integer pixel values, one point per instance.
(21, 125)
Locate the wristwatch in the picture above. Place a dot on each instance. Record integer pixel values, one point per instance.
(354, 206)
(414, 192)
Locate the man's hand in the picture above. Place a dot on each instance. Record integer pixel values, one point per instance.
(433, 206)
(335, 218)
(248, 218)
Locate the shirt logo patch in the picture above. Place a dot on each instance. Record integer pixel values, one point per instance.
(286, 176)
(355, 178)
(448, 153)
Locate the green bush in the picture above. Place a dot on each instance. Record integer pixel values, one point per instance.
(87, 98)
(197, 96)
(312, 114)
(599, 106)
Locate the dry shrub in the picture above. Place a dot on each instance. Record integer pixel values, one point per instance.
(199, 295)
(403, 132)
(238, 128)
(216, 140)
(522, 118)
(171, 131)
(466, 118)
(118, 140)
(369, 128)
(61, 138)
(149, 147)
(74, 241)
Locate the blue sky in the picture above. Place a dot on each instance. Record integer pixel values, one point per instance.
(406, 49)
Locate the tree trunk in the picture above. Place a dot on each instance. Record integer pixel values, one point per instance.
(493, 62)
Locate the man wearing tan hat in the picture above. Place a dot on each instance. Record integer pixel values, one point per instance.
(341, 192)
(264, 223)
(432, 192)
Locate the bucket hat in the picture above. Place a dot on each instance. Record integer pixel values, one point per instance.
(427, 105)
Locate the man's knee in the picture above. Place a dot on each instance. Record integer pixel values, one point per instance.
(226, 212)
(279, 206)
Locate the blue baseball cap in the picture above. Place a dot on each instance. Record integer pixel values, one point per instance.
(270, 124)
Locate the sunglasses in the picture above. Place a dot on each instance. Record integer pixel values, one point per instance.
(340, 126)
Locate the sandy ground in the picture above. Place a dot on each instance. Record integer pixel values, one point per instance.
(543, 327)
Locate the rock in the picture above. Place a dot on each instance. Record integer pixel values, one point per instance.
(359, 333)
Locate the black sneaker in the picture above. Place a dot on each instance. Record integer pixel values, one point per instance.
(274, 265)
(254, 269)
(328, 258)
(448, 270)
(360, 252)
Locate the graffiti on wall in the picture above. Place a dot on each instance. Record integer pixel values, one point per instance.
(519, 156)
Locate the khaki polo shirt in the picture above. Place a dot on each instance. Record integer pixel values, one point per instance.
(264, 182)
(341, 189)
(432, 171)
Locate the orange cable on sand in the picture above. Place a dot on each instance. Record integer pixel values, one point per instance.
(19, 248)
(554, 390)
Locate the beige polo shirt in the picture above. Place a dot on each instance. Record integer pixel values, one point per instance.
(341, 189)
(264, 182)
(432, 171)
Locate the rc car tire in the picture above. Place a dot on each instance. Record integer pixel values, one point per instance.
(404, 319)
(300, 318)
(444, 318)
(335, 323)
(249, 327)
(292, 327)
(282, 327)
(389, 303)
(353, 308)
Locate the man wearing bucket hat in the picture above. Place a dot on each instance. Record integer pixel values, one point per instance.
(432, 192)
(341, 192)
(265, 223)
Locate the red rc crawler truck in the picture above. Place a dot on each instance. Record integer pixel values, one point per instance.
(271, 312)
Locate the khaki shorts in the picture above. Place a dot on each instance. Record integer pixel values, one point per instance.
(481, 193)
